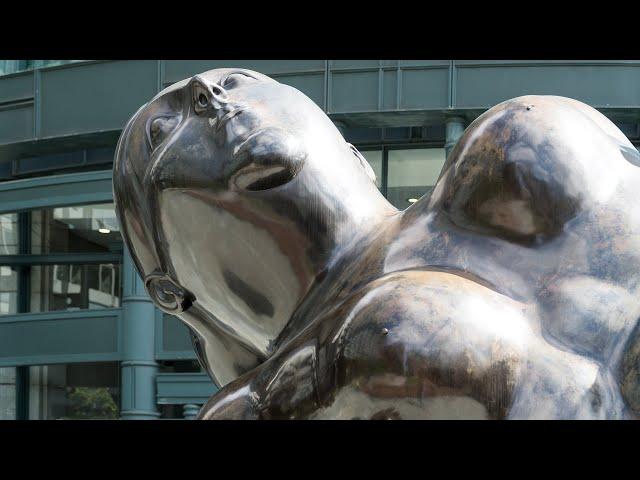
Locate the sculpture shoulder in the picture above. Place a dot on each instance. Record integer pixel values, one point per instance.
(431, 337)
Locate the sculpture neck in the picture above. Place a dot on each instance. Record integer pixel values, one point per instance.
(346, 237)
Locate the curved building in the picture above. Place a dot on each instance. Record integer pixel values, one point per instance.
(79, 337)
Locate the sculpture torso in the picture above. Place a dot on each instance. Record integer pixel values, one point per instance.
(509, 292)
(438, 319)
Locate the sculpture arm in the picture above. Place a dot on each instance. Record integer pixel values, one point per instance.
(236, 401)
(425, 345)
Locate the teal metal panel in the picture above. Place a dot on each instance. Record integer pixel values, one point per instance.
(84, 104)
(176, 70)
(16, 87)
(181, 388)
(311, 84)
(600, 84)
(424, 88)
(353, 91)
(368, 86)
(56, 191)
(88, 97)
(173, 341)
(60, 337)
(16, 122)
(354, 64)
(390, 90)
(423, 63)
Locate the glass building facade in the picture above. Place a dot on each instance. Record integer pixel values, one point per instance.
(79, 338)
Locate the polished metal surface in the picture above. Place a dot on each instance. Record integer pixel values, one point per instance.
(510, 291)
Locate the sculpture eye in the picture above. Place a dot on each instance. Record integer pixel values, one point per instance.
(236, 79)
(160, 128)
(203, 101)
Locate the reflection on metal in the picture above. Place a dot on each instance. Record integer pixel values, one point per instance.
(509, 291)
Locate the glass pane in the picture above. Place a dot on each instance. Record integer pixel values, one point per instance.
(9, 234)
(8, 393)
(78, 229)
(74, 287)
(8, 290)
(412, 173)
(74, 391)
(374, 157)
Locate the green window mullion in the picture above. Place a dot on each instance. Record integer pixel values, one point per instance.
(22, 373)
(385, 169)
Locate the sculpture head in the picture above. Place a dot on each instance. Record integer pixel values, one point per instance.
(233, 190)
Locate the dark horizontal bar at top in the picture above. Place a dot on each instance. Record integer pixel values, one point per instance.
(60, 259)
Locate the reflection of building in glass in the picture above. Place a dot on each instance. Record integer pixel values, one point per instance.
(78, 335)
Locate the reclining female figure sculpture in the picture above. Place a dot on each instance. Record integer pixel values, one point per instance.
(510, 291)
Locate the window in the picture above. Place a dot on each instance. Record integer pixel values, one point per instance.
(74, 391)
(70, 259)
(74, 287)
(412, 173)
(8, 290)
(8, 393)
(8, 234)
(77, 229)
(404, 175)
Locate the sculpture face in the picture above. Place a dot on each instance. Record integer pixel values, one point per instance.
(237, 171)
(509, 292)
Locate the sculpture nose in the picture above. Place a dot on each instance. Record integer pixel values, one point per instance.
(209, 92)
(218, 95)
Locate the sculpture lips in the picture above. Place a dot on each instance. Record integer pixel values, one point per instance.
(255, 178)
(267, 158)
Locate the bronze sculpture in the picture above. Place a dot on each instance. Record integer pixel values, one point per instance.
(510, 291)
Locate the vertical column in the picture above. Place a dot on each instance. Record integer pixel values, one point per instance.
(138, 368)
(454, 129)
(190, 411)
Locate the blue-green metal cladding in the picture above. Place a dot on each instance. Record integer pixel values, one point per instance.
(75, 105)
(59, 336)
(139, 367)
(136, 334)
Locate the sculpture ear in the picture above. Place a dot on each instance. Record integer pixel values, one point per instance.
(167, 294)
(363, 161)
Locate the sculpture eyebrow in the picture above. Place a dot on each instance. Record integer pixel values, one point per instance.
(235, 72)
